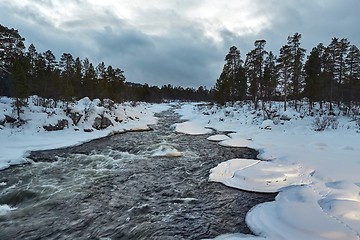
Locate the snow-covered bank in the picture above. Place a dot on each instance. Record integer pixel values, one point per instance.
(316, 173)
(16, 142)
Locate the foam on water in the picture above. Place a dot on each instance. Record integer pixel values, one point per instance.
(5, 209)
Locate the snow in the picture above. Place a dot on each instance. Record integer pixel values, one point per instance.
(191, 128)
(17, 142)
(316, 173)
(218, 137)
(258, 176)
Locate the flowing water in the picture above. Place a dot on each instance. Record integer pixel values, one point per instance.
(135, 185)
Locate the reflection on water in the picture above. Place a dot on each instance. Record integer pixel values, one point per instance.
(136, 185)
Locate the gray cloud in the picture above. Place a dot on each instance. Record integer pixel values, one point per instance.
(176, 42)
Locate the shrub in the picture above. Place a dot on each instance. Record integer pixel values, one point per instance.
(324, 122)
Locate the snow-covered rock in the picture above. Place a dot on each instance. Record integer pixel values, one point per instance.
(60, 125)
(267, 124)
(102, 122)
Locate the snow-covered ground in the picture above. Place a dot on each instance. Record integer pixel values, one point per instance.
(16, 142)
(317, 173)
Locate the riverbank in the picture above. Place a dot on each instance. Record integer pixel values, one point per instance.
(18, 140)
(316, 173)
(127, 186)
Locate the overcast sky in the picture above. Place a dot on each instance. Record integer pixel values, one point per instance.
(178, 42)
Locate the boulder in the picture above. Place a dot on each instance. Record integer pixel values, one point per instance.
(118, 120)
(75, 116)
(102, 122)
(2, 121)
(9, 119)
(285, 117)
(267, 124)
(61, 124)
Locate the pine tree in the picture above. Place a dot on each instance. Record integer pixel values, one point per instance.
(313, 67)
(344, 45)
(352, 81)
(52, 87)
(240, 84)
(67, 68)
(11, 47)
(50, 61)
(118, 84)
(284, 71)
(270, 77)
(254, 66)
(20, 84)
(102, 82)
(33, 78)
(230, 85)
(32, 55)
(296, 69)
(222, 89)
(78, 77)
(89, 79)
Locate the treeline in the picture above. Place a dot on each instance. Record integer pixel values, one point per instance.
(25, 72)
(328, 74)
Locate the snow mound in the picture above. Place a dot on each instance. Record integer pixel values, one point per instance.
(236, 142)
(191, 128)
(267, 124)
(259, 176)
(292, 205)
(226, 170)
(218, 138)
(343, 202)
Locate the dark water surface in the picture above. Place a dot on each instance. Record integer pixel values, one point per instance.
(115, 188)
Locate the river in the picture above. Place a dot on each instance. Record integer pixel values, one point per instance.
(125, 187)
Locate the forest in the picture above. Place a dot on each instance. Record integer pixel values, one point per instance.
(25, 72)
(328, 74)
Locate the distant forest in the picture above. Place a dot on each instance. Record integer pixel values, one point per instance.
(327, 74)
(26, 72)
